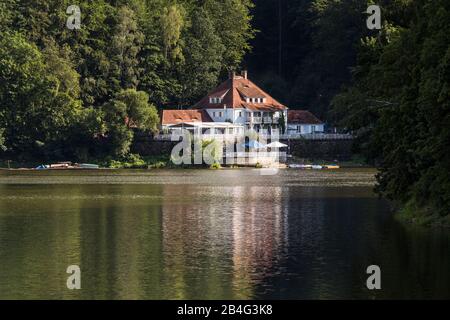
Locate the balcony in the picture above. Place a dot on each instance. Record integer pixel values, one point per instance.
(268, 120)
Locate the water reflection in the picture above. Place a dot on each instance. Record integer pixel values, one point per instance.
(257, 237)
(229, 240)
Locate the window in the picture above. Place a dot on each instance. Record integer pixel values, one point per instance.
(240, 114)
(215, 100)
(220, 114)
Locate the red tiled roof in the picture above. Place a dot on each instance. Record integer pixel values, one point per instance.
(178, 116)
(220, 94)
(302, 117)
(236, 89)
(249, 92)
(260, 107)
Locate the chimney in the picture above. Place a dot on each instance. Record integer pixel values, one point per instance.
(232, 74)
(245, 74)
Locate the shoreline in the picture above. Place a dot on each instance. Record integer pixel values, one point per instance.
(411, 214)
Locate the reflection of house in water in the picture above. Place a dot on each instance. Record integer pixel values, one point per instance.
(222, 241)
(257, 235)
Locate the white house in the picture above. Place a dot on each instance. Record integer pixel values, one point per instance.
(236, 101)
(239, 101)
(236, 105)
(303, 122)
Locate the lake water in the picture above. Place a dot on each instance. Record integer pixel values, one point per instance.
(201, 234)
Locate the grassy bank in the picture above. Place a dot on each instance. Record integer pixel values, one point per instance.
(423, 216)
(131, 161)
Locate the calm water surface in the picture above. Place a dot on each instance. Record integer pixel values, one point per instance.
(200, 234)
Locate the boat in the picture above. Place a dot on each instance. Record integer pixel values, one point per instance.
(61, 165)
(88, 166)
(314, 167)
(300, 166)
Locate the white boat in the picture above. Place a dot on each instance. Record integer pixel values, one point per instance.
(88, 166)
(300, 166)
(314, 167)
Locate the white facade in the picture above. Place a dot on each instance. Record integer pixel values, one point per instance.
(204, 128)
(246, 117)
(305, 128)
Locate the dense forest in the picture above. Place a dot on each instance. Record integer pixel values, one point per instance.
(83, 94)
(77, 93)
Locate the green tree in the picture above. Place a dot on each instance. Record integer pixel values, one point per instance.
(39, 97)
(125, 47)
(399, 106)
(232, 21)
(282, 123)
(2, 140)
(6, 13)
(119, 135)
(140, 114)
(172, 24)
(129, 110)
(204, 54)
(61, 68)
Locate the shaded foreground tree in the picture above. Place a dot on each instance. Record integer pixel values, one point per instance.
(399, 104)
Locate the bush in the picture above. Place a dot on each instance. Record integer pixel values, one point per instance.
(215, 166)
(132, 161)
(158, 165)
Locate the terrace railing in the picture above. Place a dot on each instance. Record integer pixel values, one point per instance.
(317, 136)
(290, 136)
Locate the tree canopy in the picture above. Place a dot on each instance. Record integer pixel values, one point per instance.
(398, 104)
(82, 93)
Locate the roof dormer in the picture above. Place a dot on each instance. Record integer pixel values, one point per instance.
(215, 100)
